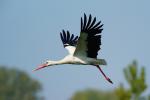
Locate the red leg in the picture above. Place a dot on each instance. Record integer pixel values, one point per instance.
(108, 79)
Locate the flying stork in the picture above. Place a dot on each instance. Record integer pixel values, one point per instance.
(82, 50)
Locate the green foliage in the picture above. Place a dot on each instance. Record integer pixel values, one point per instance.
(122, 93)
(17, 85)
(137, 83)
(149, 97)
(135, 79)
(94, 95)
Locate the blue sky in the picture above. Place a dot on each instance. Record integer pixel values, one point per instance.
(29, 34)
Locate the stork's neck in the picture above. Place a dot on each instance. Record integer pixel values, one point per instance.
(66, 60)
(50, 62)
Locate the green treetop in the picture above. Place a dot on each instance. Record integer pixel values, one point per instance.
(17, 85)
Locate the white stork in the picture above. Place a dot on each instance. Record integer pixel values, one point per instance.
(82, 50)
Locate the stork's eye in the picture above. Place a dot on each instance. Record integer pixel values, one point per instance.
(46, 62)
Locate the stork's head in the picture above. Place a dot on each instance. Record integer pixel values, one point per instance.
(45, 64)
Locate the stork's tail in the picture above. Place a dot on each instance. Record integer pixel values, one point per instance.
(102, 62)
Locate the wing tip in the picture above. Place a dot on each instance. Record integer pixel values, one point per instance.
(68, 39)
(90, 25)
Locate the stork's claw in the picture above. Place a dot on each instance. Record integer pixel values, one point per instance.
(109, 80)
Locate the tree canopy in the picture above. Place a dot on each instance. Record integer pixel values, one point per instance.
(92, 94)
(17, 85)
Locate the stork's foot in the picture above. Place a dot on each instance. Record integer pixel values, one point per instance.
(109, 80)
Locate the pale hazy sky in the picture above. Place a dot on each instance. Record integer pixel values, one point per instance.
(29, 34)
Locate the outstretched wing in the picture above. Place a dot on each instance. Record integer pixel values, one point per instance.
(69, 41)
(90, 38)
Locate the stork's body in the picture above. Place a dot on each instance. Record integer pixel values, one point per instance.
(70, 59)
(82, 50)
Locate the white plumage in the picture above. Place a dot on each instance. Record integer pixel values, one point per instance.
(82, 50)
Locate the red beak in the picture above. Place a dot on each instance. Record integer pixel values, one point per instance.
(40, 67)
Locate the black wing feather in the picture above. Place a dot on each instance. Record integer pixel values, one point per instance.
(67, 39)
(94, 20)
(94, 37)
(68, 35)
(72, 36)
(96, 24)
(85, 20)
(81, 23)
(89, 20)
(64, 36)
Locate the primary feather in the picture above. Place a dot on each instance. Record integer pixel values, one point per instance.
(67, 39)
(90, 38)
